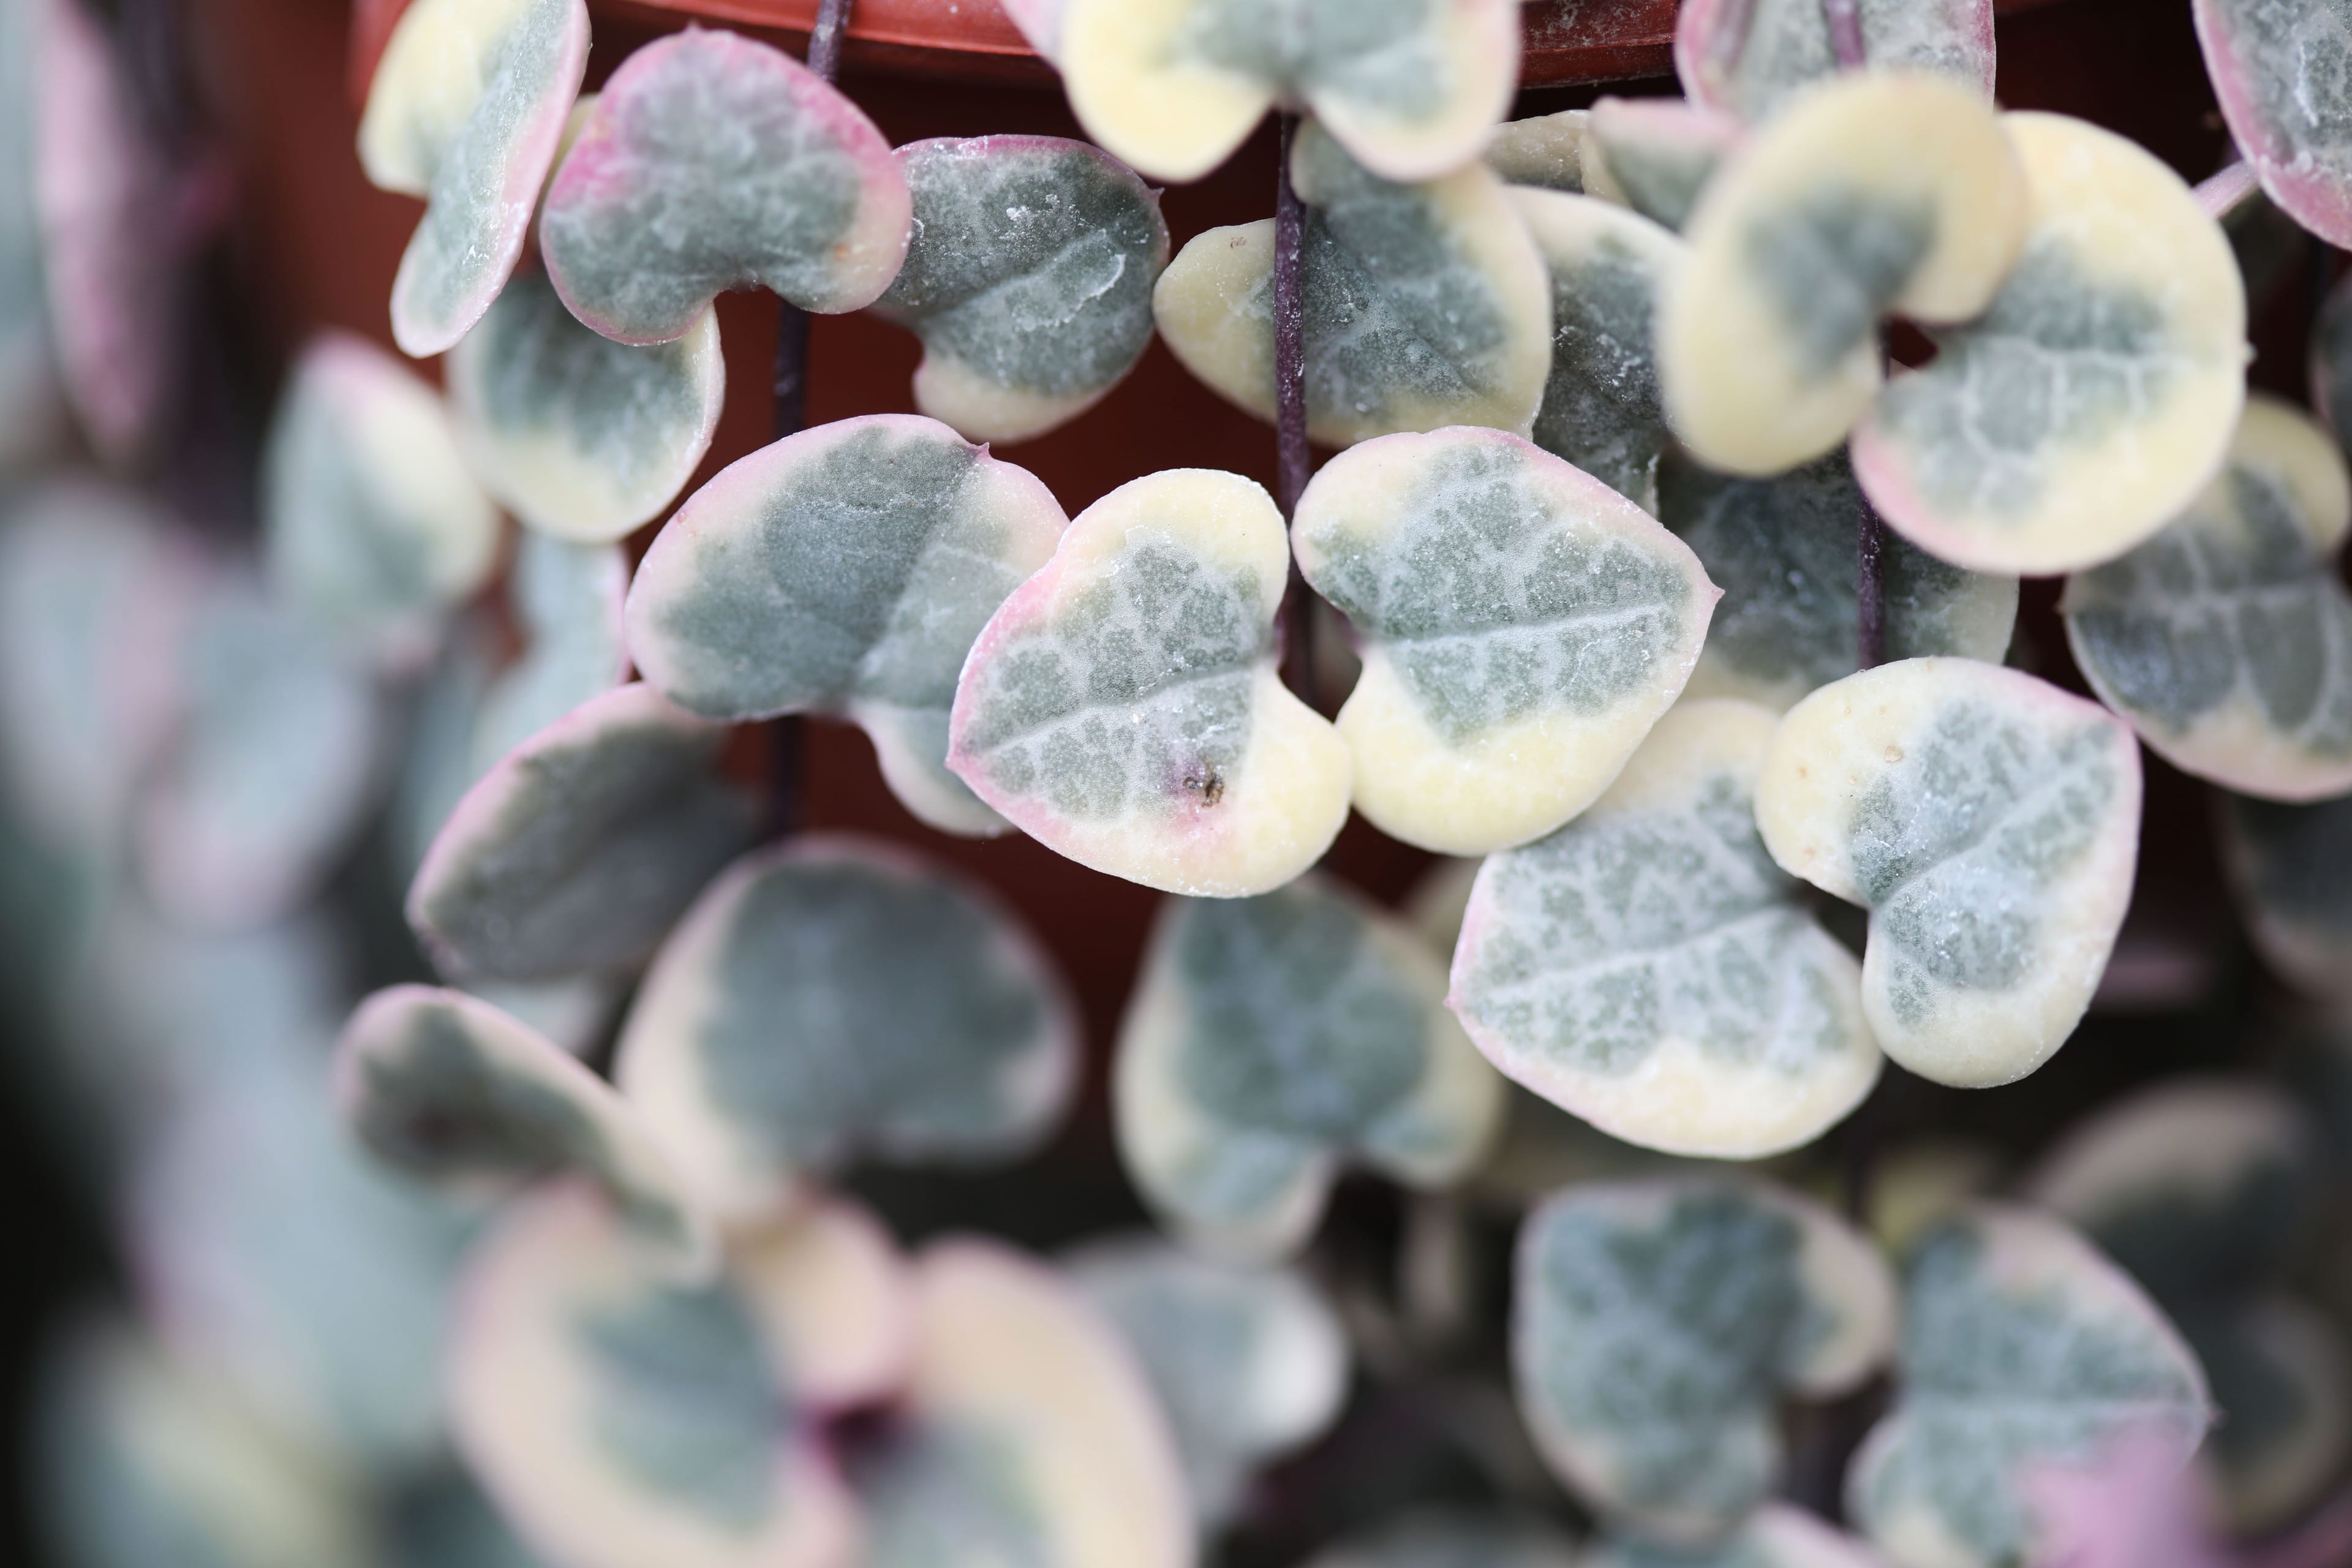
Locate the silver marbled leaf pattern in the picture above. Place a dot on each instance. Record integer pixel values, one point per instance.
(2226, 640)
(579, 848)
(1650, 968)
(1029, 280)
(1751, 57)
(2282, 72)
(709, 162)
(835, 1001)
(584, 438)
(2022, 1349)
(467, 110)
(1784, 550)
(845, 569)
(1276, 1038)
(1657, 1328)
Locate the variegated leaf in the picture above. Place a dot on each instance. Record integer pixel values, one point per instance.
(711, 162)
(1546, 152)
(273, 768)
(845, 569)
(2282, 71)
(1272, 1041)
(2025, 1356)
(618, 1418)
(372, 525)
(1122, 706)
(467, 110)
(1425, 305)
(834, 1000)
(141, 1456)
(2098, 391)
(1880, 194)
(1029, 280)
(1649, 968)
(2226, 640)
(1030, 1435)
(1750, 57)
(1656, 1327)
(584, 438)
(1411, 87)
(579, 848)
(1523, 627)
(2205, 1191)
(1249, 1363)
(453, 1091)
(1785, 549)
(1600, 409)
(1656, 154)
(2285, 864)
(567, 600)
(1990, 824)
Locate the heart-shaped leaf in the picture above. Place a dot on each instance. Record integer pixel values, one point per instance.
(619, 1419)
(1990, 824)
(450, 1091)
(2226, 640)
(1546, 152)
(1452, 1538)
(1248, 1364)
(1600, 409)
(2279, 72)
(2210, 1237)
(1656, 154)
(272, 772)
(1774, 1536)
(141, 1457)
(579, 848)
(845, 569)
(268, 1247)
(93, 592)
(2024, 1354)
(1030, 1436)
(1273, 1040)
(1412, 89)
(2098, 391)
(1524, 626)
(833, 1000)
(710, 162)
(1656, 1327)
(100, 185)
(1751, 58)
(371, 524)
(1425, 305)
(468, 110)
(1785, 551)
(1649, 968)
(1029, 280)
(2285, 864)
(1879, 194)
(1122, 706)
(584, 438)
(568, 599)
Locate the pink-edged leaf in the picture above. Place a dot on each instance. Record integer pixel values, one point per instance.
(2282, 72)
(711, 162)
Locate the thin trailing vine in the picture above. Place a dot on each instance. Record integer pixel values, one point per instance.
(1293, 461)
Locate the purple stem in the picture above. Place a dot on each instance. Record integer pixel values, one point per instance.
(789, 413)
(1845, 19)
(1293, 463)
